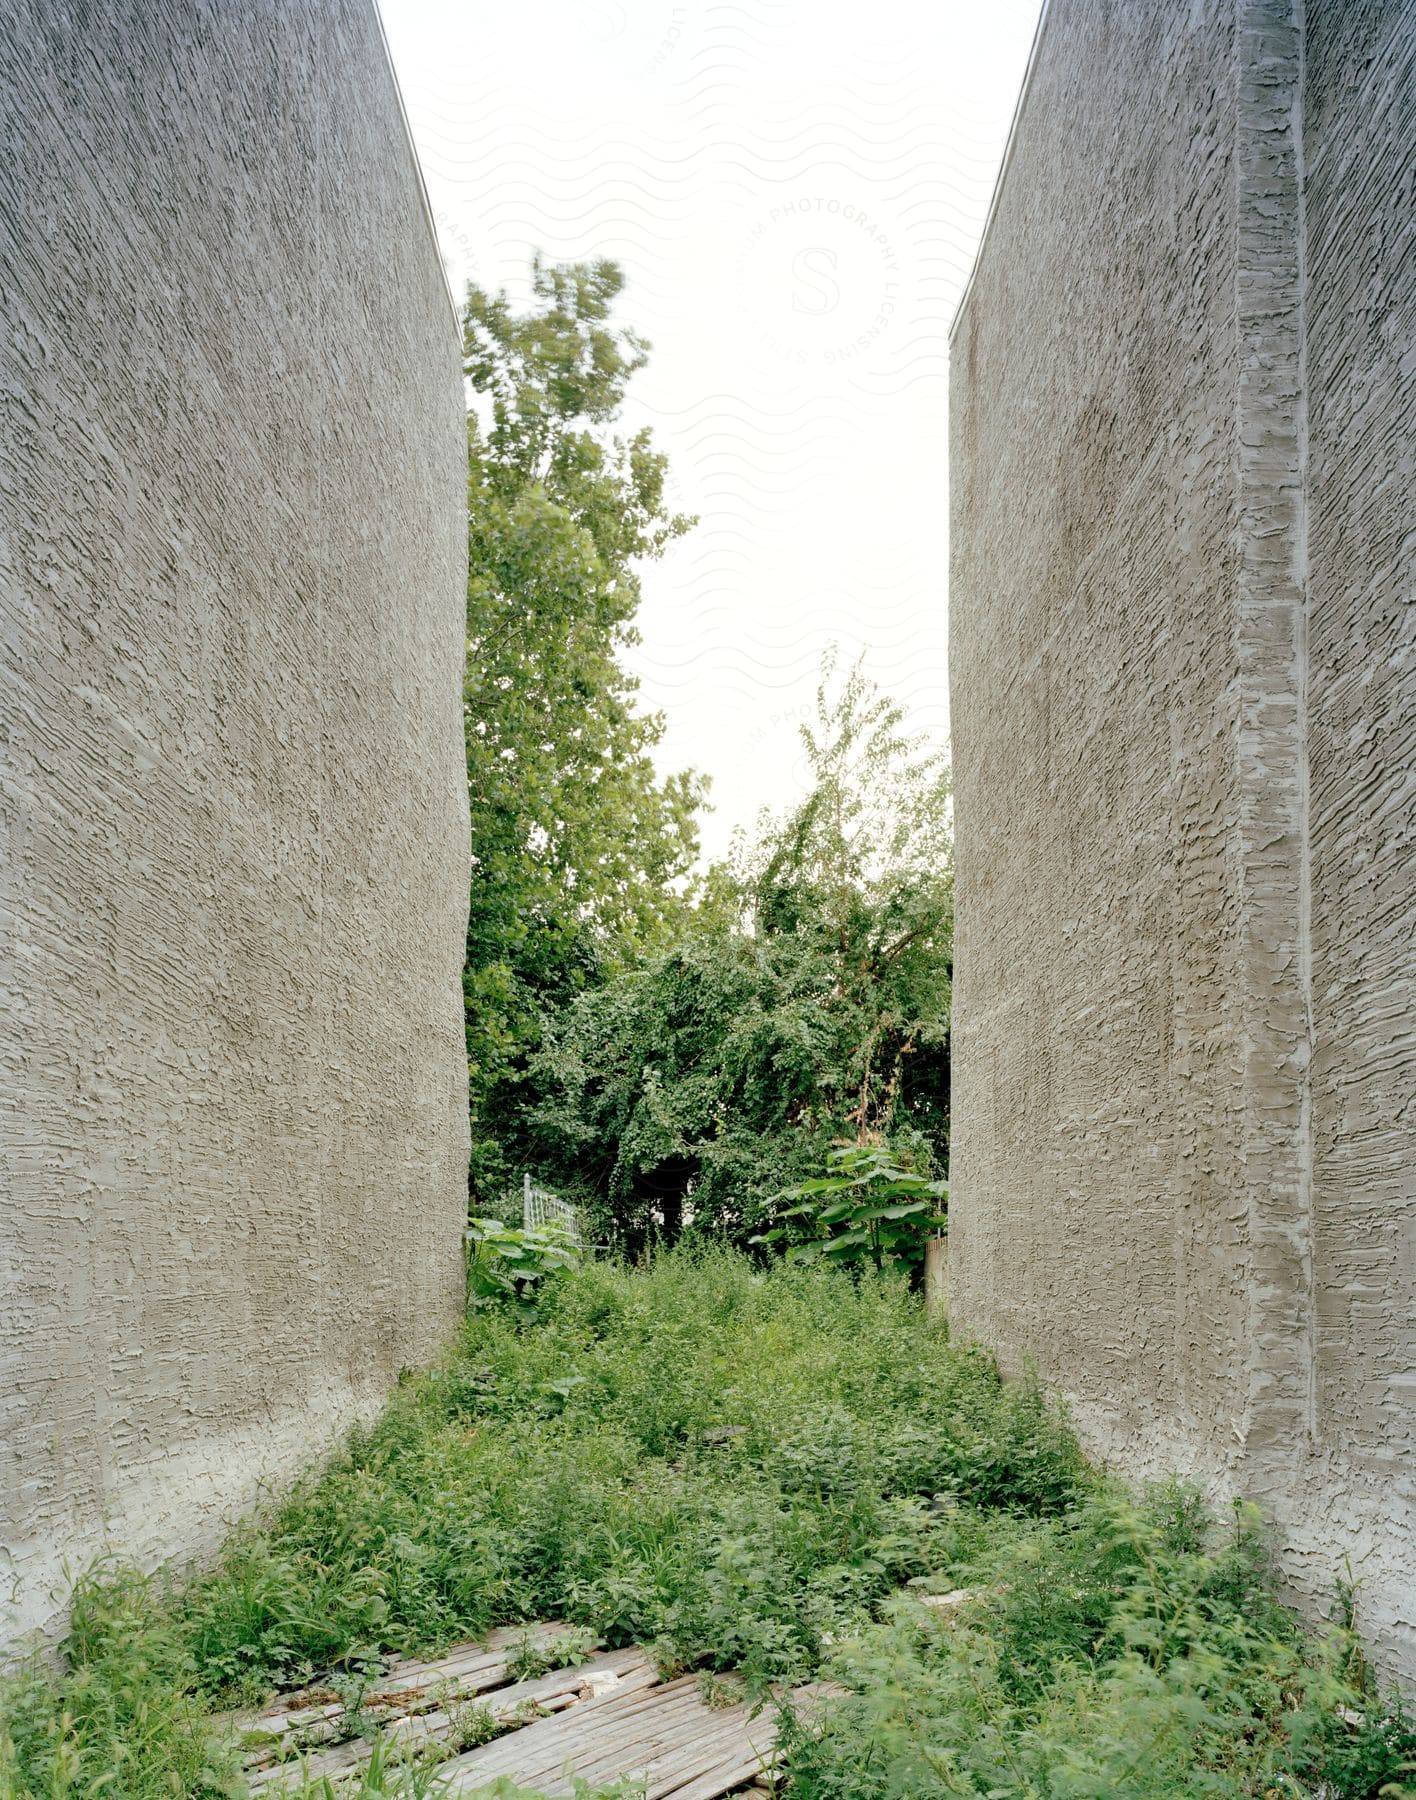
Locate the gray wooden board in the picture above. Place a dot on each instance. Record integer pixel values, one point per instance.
(668, 1738)
(631, 1668)
(660, 1733)
(313, 1717)
(606, 1723)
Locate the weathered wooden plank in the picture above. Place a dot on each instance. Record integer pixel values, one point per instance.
(542, 1755)
(314, 1717)
(668, 1738)
(650, 1740)
(497, 1648)
(714, 1762)
(708, 1753)
(475, 1666)
(759, 1757)
(631, 1668)
(662, 1734)
(741, 1766)
(708, 1740)
(543, 1747)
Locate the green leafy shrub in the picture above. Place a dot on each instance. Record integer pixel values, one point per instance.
(867, 1210)
(510, 1262)
(1366, 1751)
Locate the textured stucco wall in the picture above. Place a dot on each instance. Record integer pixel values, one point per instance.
(232, 811)
(1184, 714)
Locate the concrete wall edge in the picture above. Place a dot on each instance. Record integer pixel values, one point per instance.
(996, 196)
(428, 213)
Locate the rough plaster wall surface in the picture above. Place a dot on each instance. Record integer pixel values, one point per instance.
(1182, 701)
(1359, 113)
(1095, 1059)
(232, 808)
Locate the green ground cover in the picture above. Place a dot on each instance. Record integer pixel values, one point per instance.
(758, 1468)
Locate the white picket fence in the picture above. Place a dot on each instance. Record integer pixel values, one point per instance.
(541, 1207)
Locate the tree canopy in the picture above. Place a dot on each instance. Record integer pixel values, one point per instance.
(669, 1050)
(577, 844)
(802, 1002)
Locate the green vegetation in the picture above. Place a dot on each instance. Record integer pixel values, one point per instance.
(802, 1001)
(577, 845)
(1124, 1650)
(749, 1468)
(668, 1050)
(509, 1262)
(867, 1210)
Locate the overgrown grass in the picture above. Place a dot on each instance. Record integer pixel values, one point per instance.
(723, 1462)
(1126, 1650)
(740, 1467)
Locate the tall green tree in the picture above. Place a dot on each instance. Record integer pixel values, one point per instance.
(863, 870)
(578, 846)
(802, 1003)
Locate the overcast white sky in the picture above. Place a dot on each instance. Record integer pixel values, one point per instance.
(795, 189)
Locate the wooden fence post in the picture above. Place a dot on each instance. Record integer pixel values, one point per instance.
(936, 1278)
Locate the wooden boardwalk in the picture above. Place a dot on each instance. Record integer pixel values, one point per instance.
(600, 1718)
